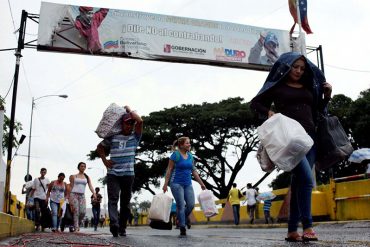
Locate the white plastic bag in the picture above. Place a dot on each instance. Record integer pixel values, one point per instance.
(110, 123)
(160, 208)
(285, 140)
(207, 203)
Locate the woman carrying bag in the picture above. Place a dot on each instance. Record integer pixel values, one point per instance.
(178, 177)
(298, 90)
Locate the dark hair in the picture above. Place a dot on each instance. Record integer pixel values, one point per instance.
(27, 178)
(97, 188)
(61, 174)
(43, 169)
(79, 164)
(234, 184)
(249, 185)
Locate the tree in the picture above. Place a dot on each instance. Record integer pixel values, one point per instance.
(359, 119)
(17, 128)
(222, 135)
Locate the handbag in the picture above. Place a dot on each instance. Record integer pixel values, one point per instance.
(333, 144)
(160, 225)
(264, 160)
(68, 215)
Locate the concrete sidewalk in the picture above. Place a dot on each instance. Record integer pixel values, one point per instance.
(355, 233)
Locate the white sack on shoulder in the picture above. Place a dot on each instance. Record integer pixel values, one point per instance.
(285, 140)
(110, 124)
(207, 203)
(160, 208)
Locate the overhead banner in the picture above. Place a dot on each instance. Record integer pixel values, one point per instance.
(133, 34)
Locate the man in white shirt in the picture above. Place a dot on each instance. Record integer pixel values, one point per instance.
(251, 201)
(39, 189)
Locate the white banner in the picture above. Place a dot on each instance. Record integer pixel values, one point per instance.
(122, 33)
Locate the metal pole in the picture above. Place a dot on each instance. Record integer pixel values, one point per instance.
(18, 55)
(321, 59)
(29, 139)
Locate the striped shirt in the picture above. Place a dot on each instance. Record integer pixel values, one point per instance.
(267, 205)
(122, 153)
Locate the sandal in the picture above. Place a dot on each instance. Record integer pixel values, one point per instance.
(309, 236)
(294, 238)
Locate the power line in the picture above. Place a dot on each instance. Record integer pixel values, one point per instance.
(347, 69)
(11, 14)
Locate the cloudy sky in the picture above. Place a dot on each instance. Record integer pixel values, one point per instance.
(63, 129)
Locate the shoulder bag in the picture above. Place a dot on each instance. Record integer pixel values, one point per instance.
(333, 144)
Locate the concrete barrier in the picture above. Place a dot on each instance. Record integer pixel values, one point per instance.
(11, 226)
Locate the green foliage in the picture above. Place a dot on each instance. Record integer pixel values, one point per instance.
(281, 181)
(359, 119)
(17, 128)
(222, 136)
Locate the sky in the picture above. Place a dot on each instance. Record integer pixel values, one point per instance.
(63, 129)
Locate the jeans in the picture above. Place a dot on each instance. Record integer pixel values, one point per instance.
(30, 213)
(54, 214)
(96, 214)
(119, 188)
(236, 213)
(183, 194)
(301, 191)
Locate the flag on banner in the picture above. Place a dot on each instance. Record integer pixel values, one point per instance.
(302, 12)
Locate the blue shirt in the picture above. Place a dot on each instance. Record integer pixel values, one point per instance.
(181, 173)
(122, 153)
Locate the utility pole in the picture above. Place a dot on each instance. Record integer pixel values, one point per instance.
(18, 55)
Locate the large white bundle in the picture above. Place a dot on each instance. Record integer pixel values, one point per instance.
(160, 208)
(285, 140)
(207, 203)
(110, 124)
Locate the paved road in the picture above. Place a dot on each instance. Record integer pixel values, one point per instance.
(330, 234)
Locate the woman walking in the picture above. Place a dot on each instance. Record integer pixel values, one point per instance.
(77, 196)
(57, 191)
(298, 90)
(178, 176)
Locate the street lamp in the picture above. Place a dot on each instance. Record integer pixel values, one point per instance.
(104, 197)
(29, 138)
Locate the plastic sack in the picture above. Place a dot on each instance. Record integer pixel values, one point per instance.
(207, 203)
(264, 159)
(160, 208)
(285, 140)
(110, 124)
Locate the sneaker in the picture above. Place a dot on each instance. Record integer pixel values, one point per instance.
(114, 231)
(182, 231)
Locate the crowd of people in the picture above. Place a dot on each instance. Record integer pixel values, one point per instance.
(59, 195)
(295, 87)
